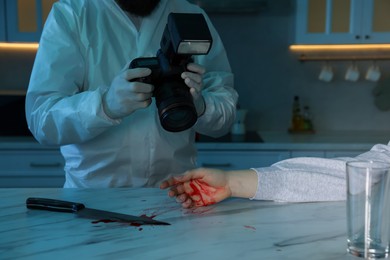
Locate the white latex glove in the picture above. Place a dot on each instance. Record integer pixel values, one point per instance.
(193, 78)
(125, 96)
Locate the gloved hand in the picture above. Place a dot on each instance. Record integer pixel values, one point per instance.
(124, 97)
(193, 78)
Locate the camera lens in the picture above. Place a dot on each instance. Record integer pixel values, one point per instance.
(179, 118)
(175, 106)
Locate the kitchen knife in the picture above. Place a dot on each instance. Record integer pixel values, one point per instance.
(80, 210)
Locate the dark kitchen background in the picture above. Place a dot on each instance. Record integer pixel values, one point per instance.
(268, 75)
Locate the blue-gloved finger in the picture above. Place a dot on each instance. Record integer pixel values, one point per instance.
(136, 73)
(193, 76)
(196, 68)
(195, 93)
(193, 85)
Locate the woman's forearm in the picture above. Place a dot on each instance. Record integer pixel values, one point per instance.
(242, 183)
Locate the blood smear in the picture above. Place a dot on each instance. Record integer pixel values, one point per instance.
(250, 227)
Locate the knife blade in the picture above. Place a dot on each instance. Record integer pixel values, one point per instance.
(80, 210)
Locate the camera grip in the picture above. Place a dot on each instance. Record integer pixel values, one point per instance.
(147, 80)
(150, 63)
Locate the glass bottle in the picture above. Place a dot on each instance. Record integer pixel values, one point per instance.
(296, 115)
(307, 119)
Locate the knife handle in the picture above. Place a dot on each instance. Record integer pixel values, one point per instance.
(53, 205)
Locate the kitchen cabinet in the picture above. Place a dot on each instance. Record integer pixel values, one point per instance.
(349, 153)
(307, 153)
(327, 153)
(230, 159)
(235, 160)
(2, 20)
(26, 163)
(31, 168)
(342, 21)
(25, 19)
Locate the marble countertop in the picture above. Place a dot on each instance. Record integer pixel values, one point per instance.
(233, 229)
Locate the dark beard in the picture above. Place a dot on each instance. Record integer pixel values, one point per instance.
(138, 7)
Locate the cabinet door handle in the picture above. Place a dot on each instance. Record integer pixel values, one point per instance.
(367, 37)
(216, 165)
(45, 165)
(357, 37)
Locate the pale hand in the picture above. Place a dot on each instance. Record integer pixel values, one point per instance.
(199, 187)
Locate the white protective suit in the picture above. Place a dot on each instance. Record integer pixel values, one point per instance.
(309, 179)
(84, 45)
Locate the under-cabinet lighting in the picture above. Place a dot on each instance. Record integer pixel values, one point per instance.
(341, 52)
(18, 46)
(341, 47)
(12, 92)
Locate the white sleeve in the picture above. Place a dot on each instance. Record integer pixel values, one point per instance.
(58, 109)
(302, 180)
(309, 179)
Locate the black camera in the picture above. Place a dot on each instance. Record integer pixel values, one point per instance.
(185, 35)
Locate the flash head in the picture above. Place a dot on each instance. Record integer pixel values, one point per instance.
(193, 47)
(186, 34)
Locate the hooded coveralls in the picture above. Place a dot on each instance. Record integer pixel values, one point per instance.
(84, 45)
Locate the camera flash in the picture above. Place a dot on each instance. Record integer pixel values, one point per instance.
(193, 47)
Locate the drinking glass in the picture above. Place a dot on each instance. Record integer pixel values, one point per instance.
(368, 209)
